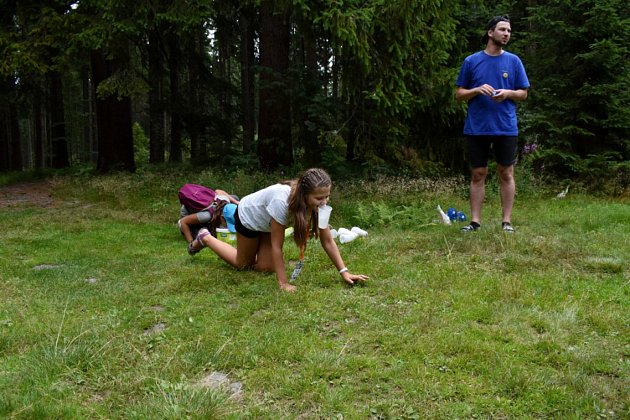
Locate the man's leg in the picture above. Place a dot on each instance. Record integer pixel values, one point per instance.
(507, 190)
(477, 192)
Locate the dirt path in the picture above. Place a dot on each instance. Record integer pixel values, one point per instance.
(26, 194)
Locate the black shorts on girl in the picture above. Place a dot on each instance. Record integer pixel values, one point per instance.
(248, 233)
(504, 150)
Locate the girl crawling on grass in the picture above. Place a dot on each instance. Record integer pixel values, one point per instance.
(261, 219)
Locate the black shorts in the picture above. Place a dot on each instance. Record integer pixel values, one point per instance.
(248, 233)
(504, 150)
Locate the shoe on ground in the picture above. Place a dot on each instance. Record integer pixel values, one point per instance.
(507, 227)
(471, 228)
(191, 249)
(202, 233)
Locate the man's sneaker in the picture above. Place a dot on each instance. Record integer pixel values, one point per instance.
(472, 227)
(507, 227)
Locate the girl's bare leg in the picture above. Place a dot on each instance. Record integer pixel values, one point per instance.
(247, 251)
(224, 250)
(264, 261)
(255, 253)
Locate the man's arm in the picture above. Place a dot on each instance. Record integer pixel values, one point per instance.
(514, 95)
(463, 94)
(517, 95)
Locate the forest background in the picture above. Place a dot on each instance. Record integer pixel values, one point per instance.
(354, 86)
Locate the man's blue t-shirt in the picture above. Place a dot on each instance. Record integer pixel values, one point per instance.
(486, 117)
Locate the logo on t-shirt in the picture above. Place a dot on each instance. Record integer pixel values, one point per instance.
(505, 74)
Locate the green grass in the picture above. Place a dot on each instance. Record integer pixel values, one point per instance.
(450, 325)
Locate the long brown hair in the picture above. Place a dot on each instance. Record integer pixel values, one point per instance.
(309, 181)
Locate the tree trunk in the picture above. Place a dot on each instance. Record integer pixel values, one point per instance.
(195, 124)
(247, 79)
(354, 99)
(14, 139)
(4, 139)
(39, 122)
(224, 95)
(156, 98)
(58, 142)
(113, 119)
(175, 153)
(274, 124)
(10, 148)
(312, 88)
(89, 145)
(11, 159)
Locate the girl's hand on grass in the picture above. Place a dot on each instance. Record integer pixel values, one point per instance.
(288, 287)
(353, 279)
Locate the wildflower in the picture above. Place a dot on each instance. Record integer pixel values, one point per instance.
(529, 148)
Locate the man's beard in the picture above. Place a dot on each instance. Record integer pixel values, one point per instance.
(499, 42)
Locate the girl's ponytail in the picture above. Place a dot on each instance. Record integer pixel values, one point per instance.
(308, 182)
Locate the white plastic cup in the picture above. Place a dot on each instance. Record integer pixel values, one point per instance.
(358, 231)
(324, 216)
(347, 237)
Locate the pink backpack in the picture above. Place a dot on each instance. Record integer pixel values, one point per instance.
(195, 197)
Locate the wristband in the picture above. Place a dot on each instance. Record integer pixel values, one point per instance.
(343, 270)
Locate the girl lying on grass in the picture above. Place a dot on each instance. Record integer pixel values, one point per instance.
(190, 222)
(261, 219)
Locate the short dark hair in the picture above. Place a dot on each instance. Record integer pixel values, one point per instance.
(492, 23)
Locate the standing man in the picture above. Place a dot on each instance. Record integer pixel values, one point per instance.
(492, 81)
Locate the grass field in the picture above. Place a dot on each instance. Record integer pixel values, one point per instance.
(103, 314)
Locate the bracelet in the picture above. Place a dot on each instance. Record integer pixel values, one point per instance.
(343, 270)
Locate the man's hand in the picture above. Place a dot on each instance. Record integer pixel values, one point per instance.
(500, 95)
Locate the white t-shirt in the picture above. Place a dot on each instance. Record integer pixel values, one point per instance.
(257, 209)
